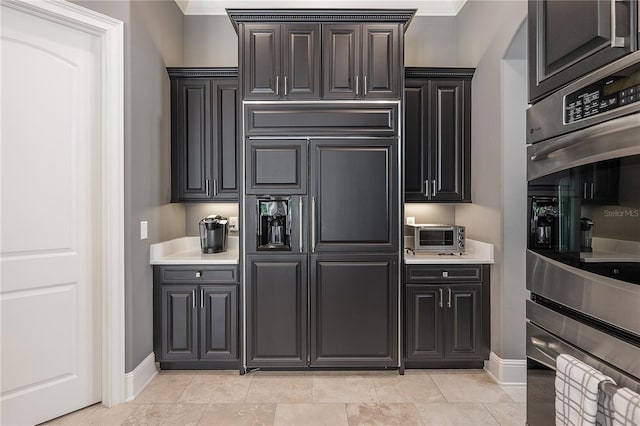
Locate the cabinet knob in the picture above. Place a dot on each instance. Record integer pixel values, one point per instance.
(198, 274)
(445, 274)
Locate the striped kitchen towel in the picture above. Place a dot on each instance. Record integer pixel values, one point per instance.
(576, 392)
(626, 406)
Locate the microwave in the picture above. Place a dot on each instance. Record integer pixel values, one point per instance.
(431, 238)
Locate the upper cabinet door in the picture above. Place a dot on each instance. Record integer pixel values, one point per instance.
(568, 39)
(354, 205)
(191, 144)
(261, 62)
(301, 61)
(381, 61)
(416, 143)
(449, 132)
(225, 139)
(341, 61)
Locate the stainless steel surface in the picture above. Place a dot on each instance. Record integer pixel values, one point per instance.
(441, 297)
(206, 185)
(285, 85)
(193, 295)
(449, 298)
(313, 224)
(615, 40)
(545, 347)
(612, 139)
(612, 301)
(545, 119)
(300, 216)
(457, 244)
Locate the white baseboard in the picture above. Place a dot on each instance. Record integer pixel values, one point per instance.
(506, 371)
(140, 377)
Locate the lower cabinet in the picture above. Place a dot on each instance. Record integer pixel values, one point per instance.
(446, 316)
(195, 317)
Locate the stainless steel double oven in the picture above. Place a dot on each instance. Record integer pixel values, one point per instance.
(583, 257)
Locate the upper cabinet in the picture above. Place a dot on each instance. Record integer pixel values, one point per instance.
(568, 39)
(281, 61)
(438, 135)
(361, 61)
(204, 134)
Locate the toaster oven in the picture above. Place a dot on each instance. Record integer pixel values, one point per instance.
(431, 238)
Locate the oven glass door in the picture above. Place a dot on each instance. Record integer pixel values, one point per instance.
(589, 217)
(436, 238)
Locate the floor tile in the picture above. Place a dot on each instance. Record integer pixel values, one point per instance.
(463, 414)
(238, 415)
(408, 388)
(280, 389)
(518, 393)
(344, 389)
(383, 414)
(507, 413)
(166, 414)
(469, 388)
(164, 388)
(96, 414)
(206, 389)
(445, 371)
(310, 415)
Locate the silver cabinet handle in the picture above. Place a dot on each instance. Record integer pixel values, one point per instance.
(449, 298)
(278, 85)
(441, 297)
(193, 295)
(364, 89)
(285, 85)
(592, 189)
(206, 185)
(202, 297)
(357, 85)
(615, 40)
(584, 191)
(300, 216)
(313, 224)
(426, 188)
(215, 187)
(433, 186)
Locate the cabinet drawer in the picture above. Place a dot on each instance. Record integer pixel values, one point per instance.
(193, 275)
(442, 273)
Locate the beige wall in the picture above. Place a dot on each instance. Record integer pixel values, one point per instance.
(431, 41)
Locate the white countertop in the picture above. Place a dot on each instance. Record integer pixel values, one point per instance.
(186, 251)
(610, 250)
(476, 252)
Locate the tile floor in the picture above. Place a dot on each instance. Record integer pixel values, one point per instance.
(420, 397)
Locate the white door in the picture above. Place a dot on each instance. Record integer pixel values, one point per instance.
(50, 223)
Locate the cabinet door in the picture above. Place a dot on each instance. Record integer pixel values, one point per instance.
(301, 61)
(354, 310)
(424, 327)
(341, 61)
(416, 142)
(449, 127)
(261, 61)
(225, 139)
(276, 166)
(219, 321)
(277, 311)
(568, 39)
(179, 319)
(354, 204)
(600, 182)
(463, 321)
(381, 61)
(191, 140)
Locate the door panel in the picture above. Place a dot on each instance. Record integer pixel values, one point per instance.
(225, 139)
(50, 173)
(301, 65)
(354, 185)
(277, 311)
(277, 166)
(354, 310)
(380, 61)
(261, 67)
(341, 61)
(424, 327)
(464, 321)
(219, 322)
(416, 157)
(179, 323)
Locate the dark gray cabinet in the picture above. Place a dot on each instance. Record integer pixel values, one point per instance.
(354, 195)
(196, 316)
(362, 61)
(568, 39)
(354, 310)
(600, 182)
(276, 310)
(438, 135)
(446, 316)
(281, 61)
(277, 166)
(204, 143)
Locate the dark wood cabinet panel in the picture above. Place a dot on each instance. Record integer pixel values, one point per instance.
(277, 311)
(261, 61)
(179, 323)
(381, 60)
(277, 166)
(219, 322)
(416, 157)
(354, 195)
(600, 182)
(341, 61)
(225, 140)
(354, 310)
(464, 321)
(424, 328)
(301, 61)
(568, 39)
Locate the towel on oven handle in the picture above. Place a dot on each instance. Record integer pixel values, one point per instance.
(576, 386)
(626, 406)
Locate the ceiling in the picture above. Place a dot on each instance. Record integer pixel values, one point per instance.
(424, 7)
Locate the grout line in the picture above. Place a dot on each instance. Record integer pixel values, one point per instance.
(490, 413)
